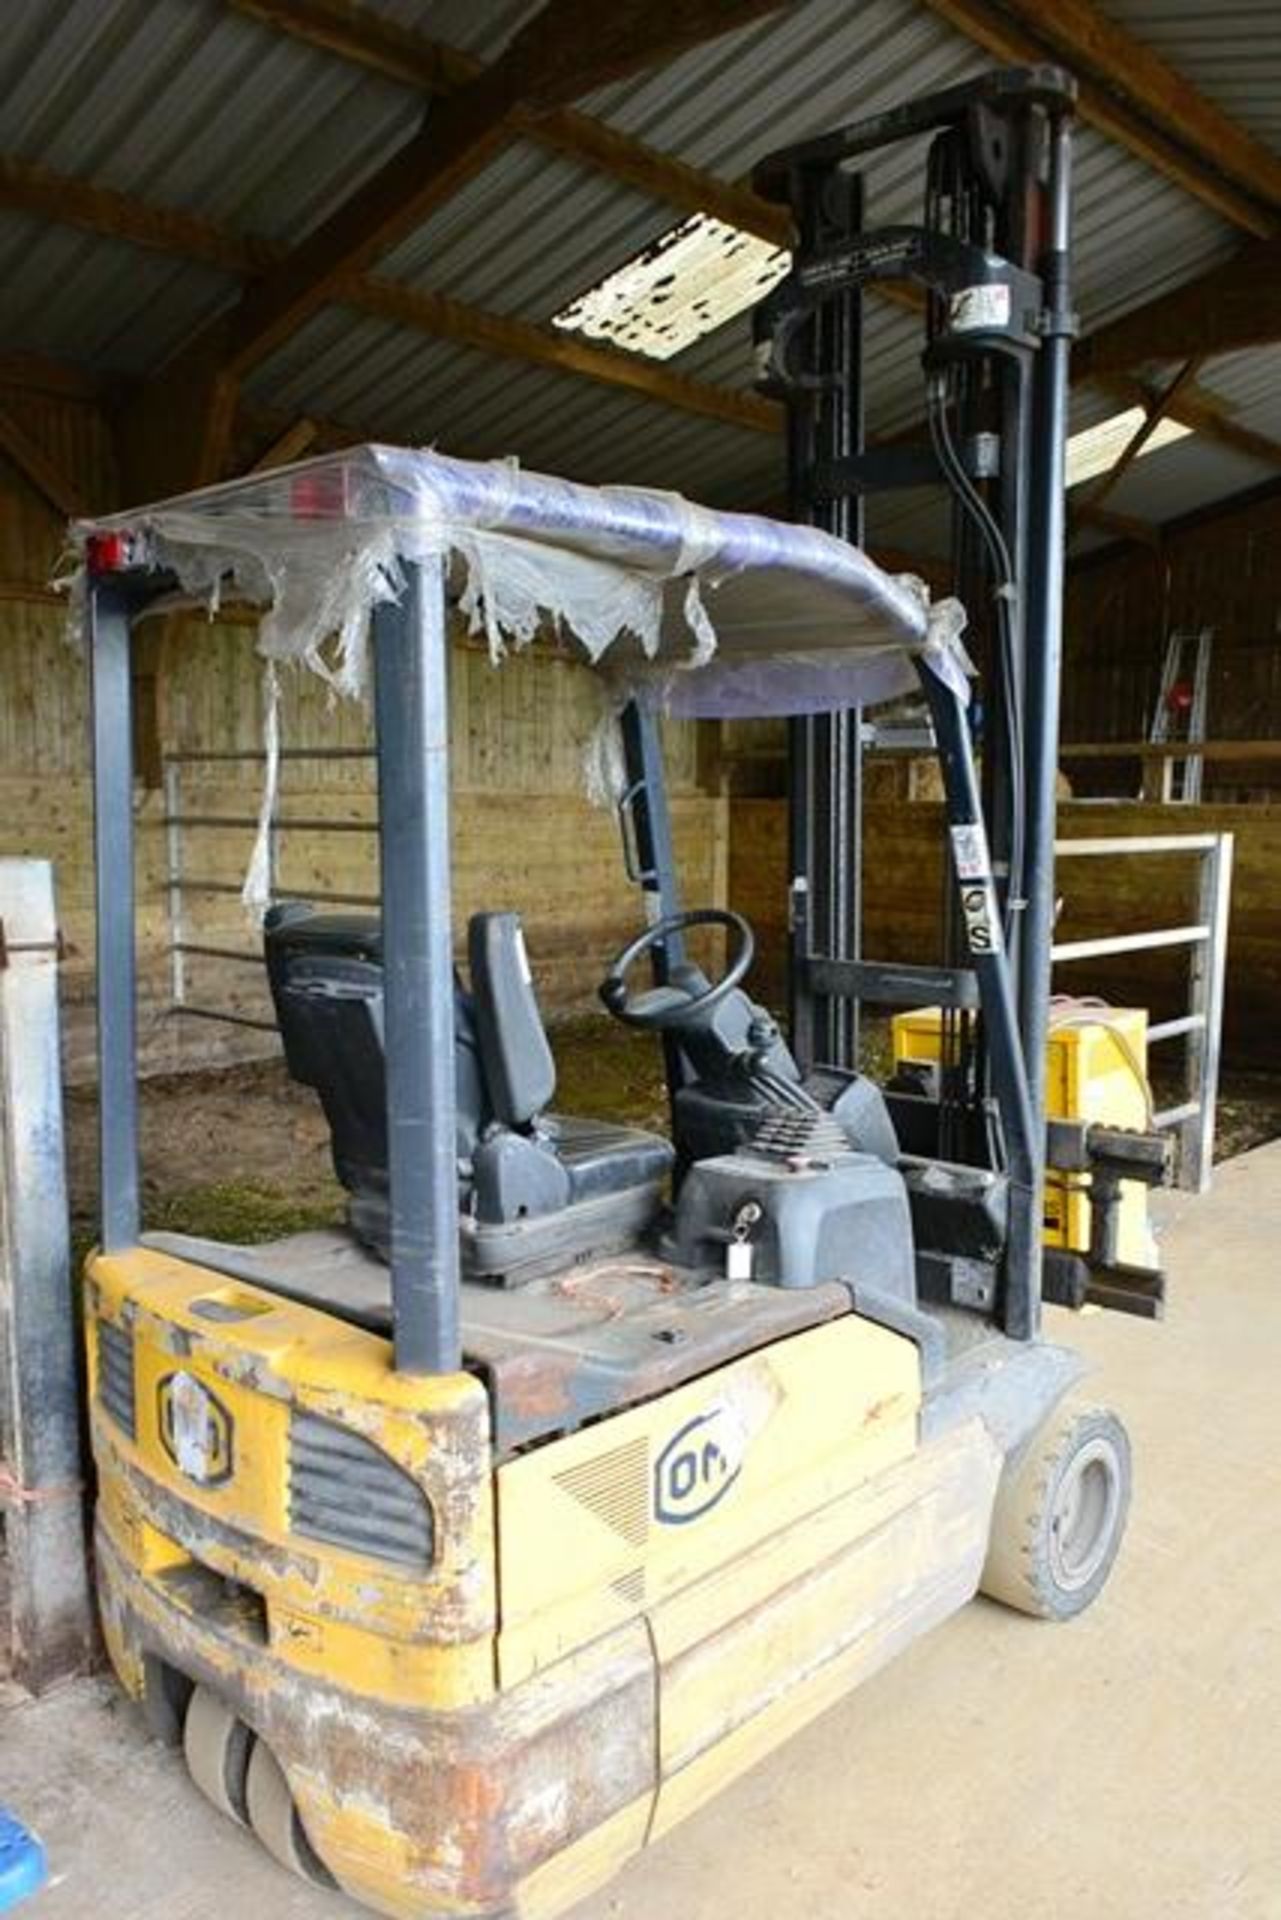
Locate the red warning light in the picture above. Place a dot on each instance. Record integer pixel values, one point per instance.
(319, 495)
(108, 552)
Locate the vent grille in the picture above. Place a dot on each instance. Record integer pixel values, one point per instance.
(614, 1485)
(344, 1491)
(116, 1391)
(630, 1587)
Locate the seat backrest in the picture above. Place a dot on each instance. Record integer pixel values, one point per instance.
(520, 1073)
(326, 977)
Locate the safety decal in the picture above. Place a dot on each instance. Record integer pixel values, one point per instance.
(969, 852)
(982, 922)
(975, 309)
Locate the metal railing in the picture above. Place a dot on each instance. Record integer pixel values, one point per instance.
(181, 883)
(1206, 941)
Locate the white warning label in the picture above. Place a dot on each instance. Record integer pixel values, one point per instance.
(982, 922)
(974, 309)
(969, 852)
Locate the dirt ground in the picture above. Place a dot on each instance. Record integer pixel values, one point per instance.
(243, 1154)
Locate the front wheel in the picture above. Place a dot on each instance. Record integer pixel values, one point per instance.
(1060, 1514)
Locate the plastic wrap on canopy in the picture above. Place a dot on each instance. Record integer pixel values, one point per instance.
(731, 613)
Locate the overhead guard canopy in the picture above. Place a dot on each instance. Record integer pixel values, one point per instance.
(728, 613)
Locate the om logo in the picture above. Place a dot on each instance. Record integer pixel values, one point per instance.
(697, 1468)
(196, 1429)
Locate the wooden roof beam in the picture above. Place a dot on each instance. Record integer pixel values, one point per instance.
(364, 38)
(1224, 310)
(36, 372)
(28, 188)
(1123, 526)
(290, 443)
(511, 339)
(549, 60)
(1158, 407)
(1097, 49)
(1026, 31)
(1194, 407)
(40, 468)
(177, 432)
(121, 217)
(358, 35)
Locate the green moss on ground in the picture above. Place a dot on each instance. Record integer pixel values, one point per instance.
(240, 1212)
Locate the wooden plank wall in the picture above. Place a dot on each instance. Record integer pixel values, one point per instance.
(524, 835)
(1224, 573)
(903, 882)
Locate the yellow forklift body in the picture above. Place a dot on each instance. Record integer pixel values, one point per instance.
(612, 1624)
(1096, 1070)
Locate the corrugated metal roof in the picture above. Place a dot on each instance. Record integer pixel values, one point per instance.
(1231, 52)
(1249, 384)
(404, 387)
(97, 302)
(817, 66)
(481, 27)
(1183, 476)
(192, 105)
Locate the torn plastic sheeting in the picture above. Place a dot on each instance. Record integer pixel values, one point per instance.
(319, 542)
(729, 613)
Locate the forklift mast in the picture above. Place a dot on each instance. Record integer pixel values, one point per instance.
(988, 268)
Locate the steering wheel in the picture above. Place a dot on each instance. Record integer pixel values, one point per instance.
(672, 1005)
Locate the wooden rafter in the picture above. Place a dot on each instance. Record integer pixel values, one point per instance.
(178, 431)
(122, 217)
(40, 468)
(549, 60)
(364, 38)
(1123, 526)
(1158, 408)
(36, 372)
(447, 319)
(290, 443)
(27, 188)
(1194, 407)
(1232, 306)
(1095, 47)
(1019, 30)
(367, 39)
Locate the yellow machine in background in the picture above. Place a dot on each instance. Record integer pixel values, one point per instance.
(1096, 1071)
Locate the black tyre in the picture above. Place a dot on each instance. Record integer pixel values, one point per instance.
(1060, 1514)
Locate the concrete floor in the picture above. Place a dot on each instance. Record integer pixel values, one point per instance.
(1125, 1768)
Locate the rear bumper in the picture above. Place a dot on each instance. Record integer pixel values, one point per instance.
(517, 1805)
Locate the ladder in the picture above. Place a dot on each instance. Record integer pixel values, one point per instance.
(1181, 708)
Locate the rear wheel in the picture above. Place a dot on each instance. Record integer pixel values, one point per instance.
(274, 1818)
(1060, 1514)
(218, 1748)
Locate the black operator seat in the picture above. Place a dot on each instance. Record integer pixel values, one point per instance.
(520, 1072)
(535, 1188)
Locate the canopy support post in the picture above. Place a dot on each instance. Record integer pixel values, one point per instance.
(412, 711)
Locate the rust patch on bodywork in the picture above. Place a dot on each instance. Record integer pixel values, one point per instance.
(424, 1812)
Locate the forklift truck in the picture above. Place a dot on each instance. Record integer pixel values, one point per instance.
(467, 1550)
